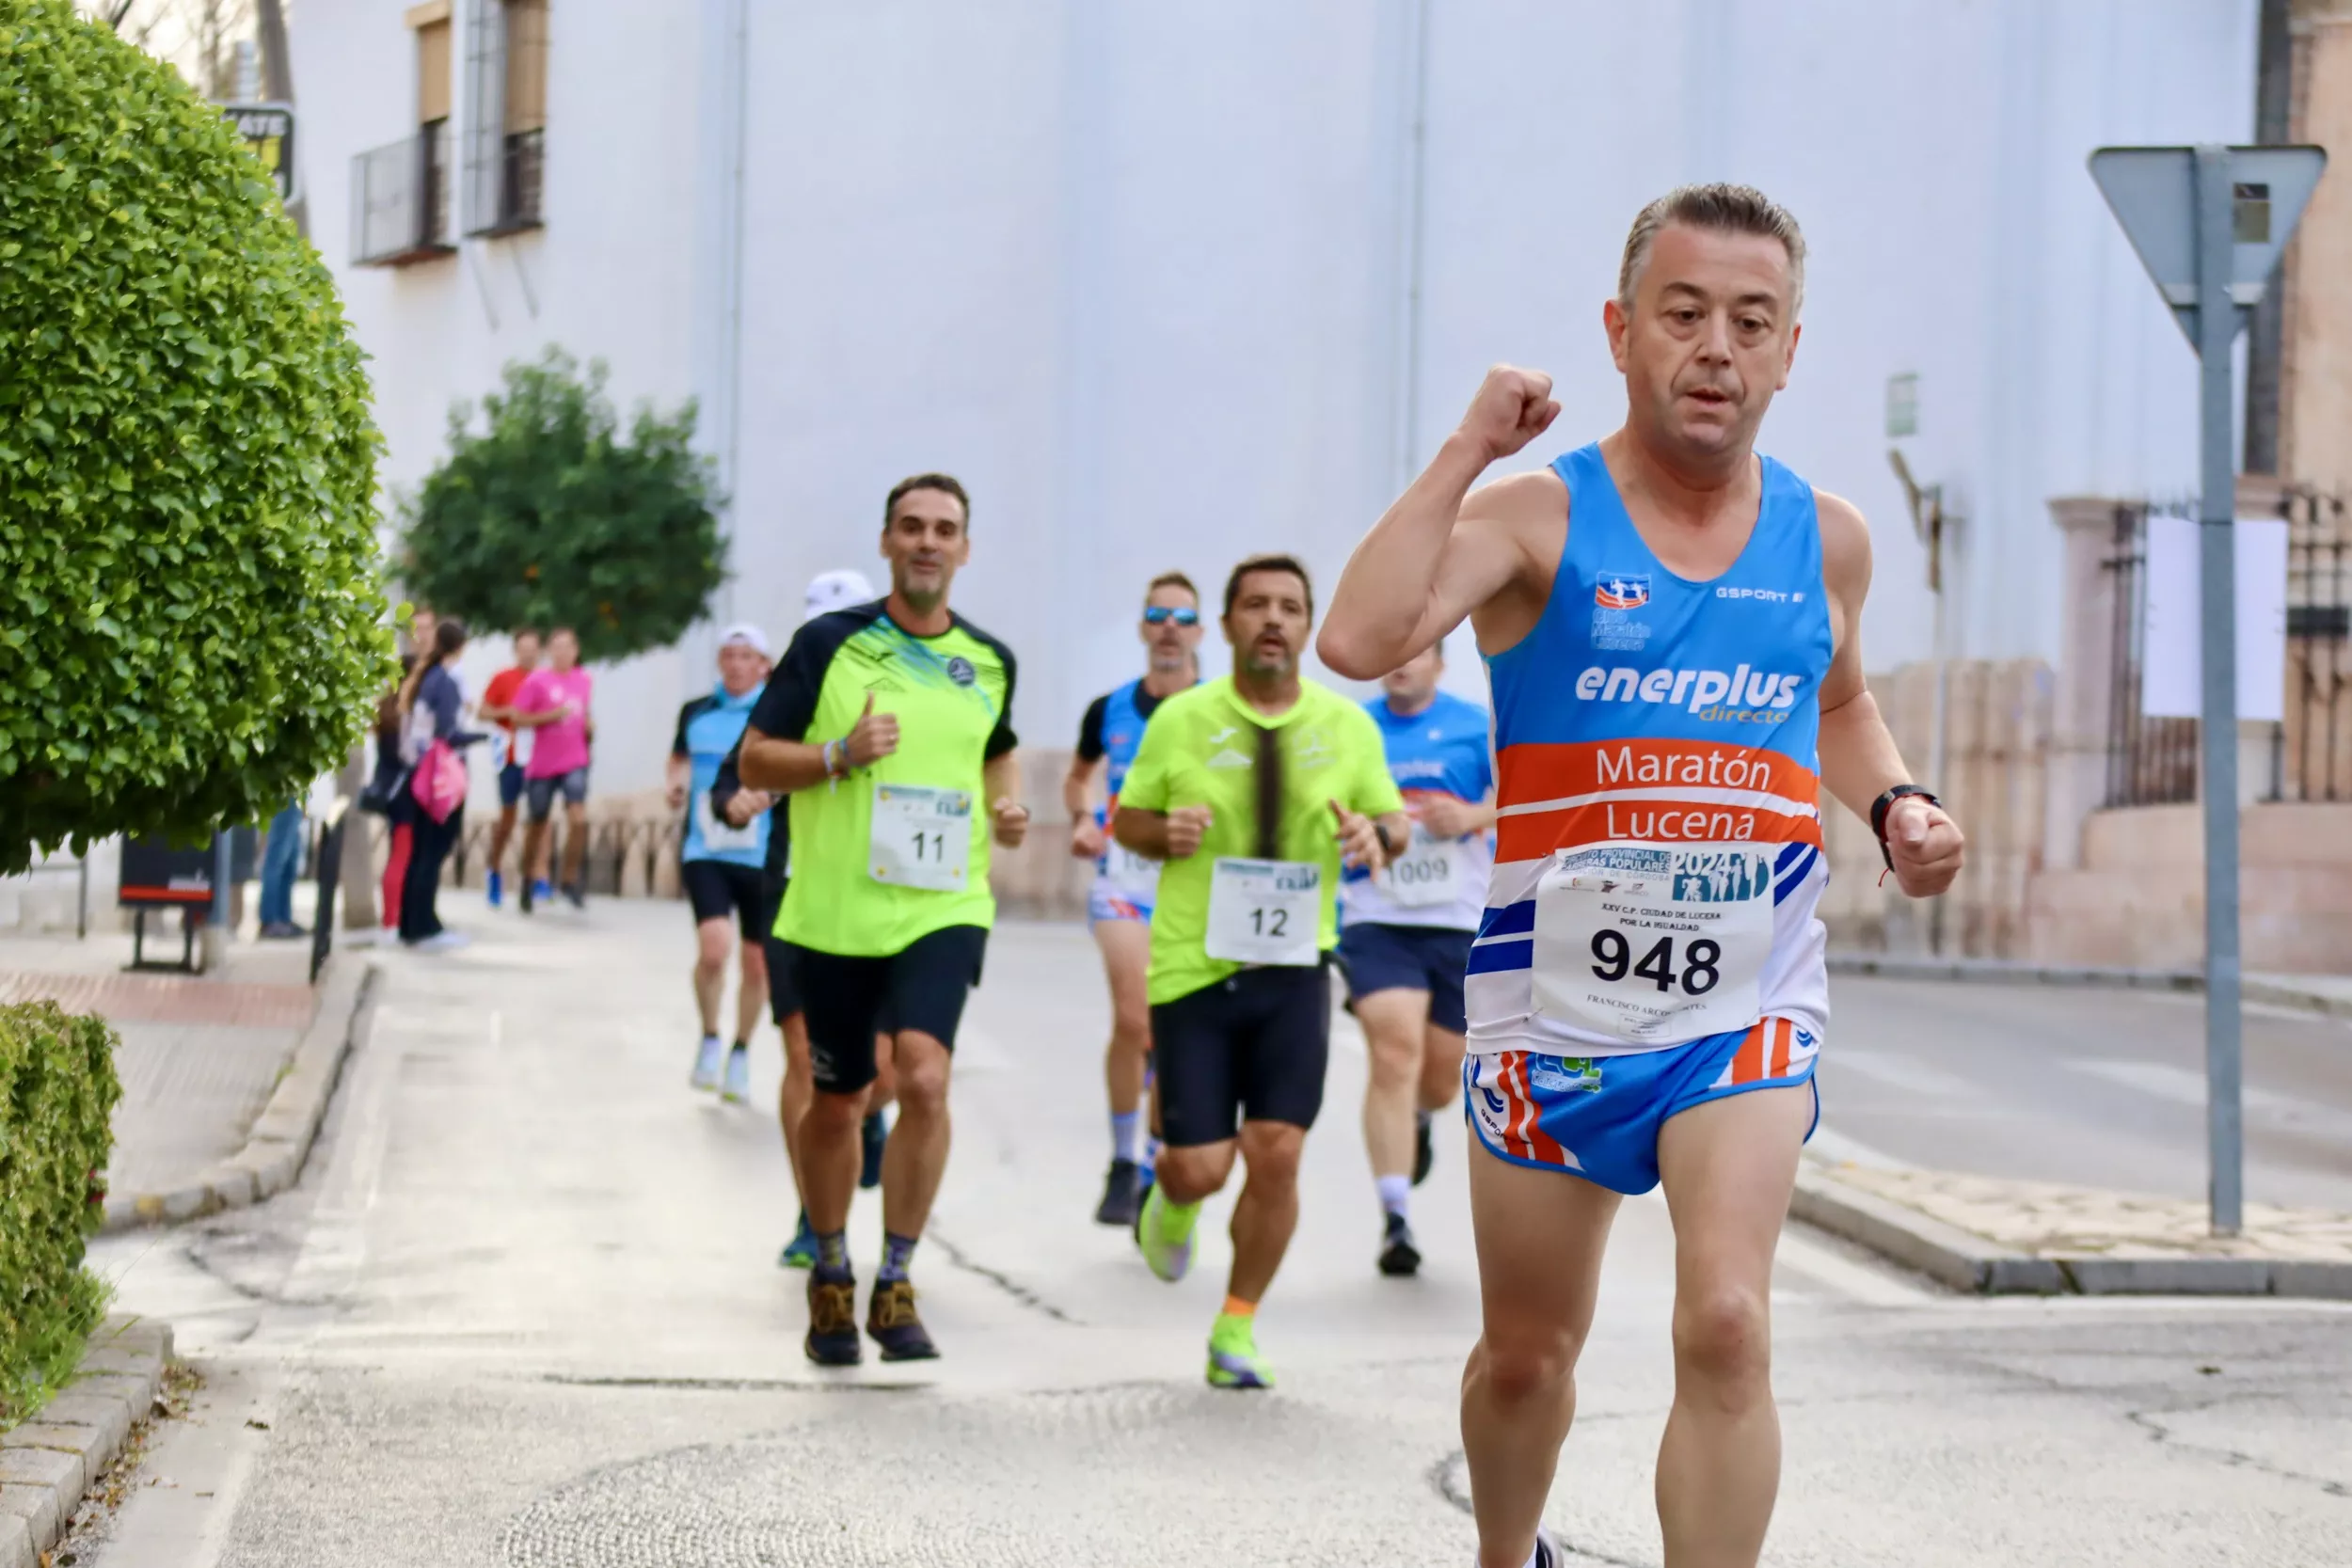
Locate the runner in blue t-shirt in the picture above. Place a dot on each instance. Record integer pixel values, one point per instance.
(1119, 904)
(1407, 938)
(725, 857)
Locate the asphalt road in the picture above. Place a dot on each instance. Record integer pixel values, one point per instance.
(524, 1310)
(2100, 1086)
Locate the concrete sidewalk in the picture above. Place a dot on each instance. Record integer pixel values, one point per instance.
(2330, 995)
(1999, 1236)
(203, 1059)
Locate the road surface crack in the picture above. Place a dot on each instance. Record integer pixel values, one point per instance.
(2152, 1422)
(1449, 1479)
(1004, 1282)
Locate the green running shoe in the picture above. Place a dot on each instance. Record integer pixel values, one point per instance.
(801, 1251)
(1233, 1359)
(1164, 1234)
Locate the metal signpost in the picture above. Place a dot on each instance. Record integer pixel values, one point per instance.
(2208, 223)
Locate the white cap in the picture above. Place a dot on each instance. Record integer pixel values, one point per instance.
(744, 635)
(830, 590)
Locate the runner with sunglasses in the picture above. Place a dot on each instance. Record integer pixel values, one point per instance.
(1119, 906)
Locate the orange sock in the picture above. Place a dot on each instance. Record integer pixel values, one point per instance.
(1236, 1307)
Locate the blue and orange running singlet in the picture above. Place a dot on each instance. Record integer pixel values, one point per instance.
(1659, 857)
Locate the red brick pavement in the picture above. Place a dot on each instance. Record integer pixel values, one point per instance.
(165, 998)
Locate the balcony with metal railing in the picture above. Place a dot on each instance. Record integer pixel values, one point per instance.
(400, 201)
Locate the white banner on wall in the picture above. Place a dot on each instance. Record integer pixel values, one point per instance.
(2171, 659)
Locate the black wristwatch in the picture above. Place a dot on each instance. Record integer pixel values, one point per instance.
(1885, 803)
(1380, 831)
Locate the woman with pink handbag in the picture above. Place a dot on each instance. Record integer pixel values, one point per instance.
(434, 802)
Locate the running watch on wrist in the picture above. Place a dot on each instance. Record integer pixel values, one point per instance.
(1885, 803)
(1380, 831)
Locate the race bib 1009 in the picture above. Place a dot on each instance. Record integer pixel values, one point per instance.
(1428, 872)
(1128, 873)
(920, 837)
(1653, 944)
(1265, 912)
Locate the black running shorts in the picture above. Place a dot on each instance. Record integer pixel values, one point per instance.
(1251, 1047)
(719, 889)
(784, 981)
(846, 1001)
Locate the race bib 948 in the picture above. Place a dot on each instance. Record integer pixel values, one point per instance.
(1653, 944)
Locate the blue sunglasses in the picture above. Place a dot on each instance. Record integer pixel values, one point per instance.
(1159, 614)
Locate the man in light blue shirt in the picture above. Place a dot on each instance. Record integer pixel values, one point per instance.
(1408, 931)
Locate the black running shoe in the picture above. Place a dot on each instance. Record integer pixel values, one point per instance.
(1424, 1149)
(891, 1321)
(523, 897)
(576, 894)
(873, 1137)
(832, 1323)
(1547, 1550)
(1399, 1258)
(1123, 1195)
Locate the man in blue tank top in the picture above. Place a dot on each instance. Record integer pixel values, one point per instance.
(1670, 625)
(1119, 906)
(1407, 935)
(722, 856)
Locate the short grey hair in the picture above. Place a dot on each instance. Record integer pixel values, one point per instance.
(1724, 208)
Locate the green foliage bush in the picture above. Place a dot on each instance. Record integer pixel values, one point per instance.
(548, 517)
(57, 1090)
(190, 607)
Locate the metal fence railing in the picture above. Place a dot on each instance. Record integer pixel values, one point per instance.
(400, 199)
(2312, 759)
(2149, 761)
(2153, 761)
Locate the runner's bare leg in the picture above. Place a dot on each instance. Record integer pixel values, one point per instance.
(1729, 1166)
(1540, 1237)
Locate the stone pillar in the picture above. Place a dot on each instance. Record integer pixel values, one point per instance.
(2316, 379)
(2086, 676)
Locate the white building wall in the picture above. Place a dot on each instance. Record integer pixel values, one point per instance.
(1139, 274)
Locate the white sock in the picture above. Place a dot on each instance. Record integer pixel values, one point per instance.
(1126, 1127)
(1396, 1193)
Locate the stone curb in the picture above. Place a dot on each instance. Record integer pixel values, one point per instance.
(48, 1465)
(1969, 1262)
(280, 1139)
(2253, 988)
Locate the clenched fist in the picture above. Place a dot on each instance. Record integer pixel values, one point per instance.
(1512, 408)
(1087, 839)
(1186, 827)
(1012, 822)
(1924, 845)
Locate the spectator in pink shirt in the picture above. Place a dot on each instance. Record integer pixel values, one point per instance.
(553, 702)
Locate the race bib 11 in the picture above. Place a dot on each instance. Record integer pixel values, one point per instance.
(921, 837)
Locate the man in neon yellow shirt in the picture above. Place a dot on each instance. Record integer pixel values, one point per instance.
(1254, 790)
(890, 726)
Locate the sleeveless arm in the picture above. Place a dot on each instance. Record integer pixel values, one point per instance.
(1441, 553)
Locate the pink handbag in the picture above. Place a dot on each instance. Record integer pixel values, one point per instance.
(440, 784)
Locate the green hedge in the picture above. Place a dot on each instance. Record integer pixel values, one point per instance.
(190, 585)
(57, 1091)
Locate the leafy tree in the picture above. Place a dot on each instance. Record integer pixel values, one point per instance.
(549, 516)
(191, 621)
